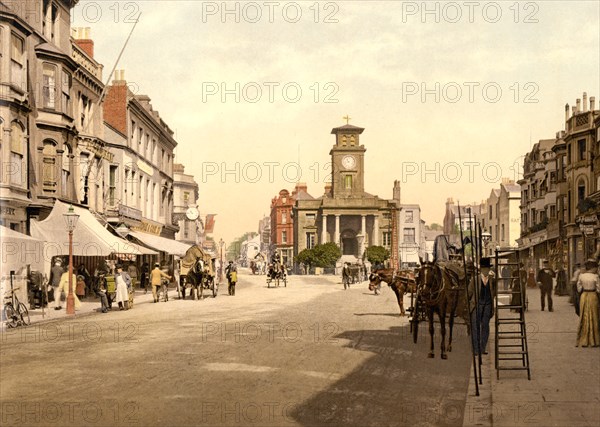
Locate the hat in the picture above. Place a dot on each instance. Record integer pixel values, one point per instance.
(591, 263)
(156, 264)
(485, 263)
(230, 262)
(545, 261)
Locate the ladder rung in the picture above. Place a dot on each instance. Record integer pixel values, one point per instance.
(508, 345)
(516, 368)
(510, 321)
(516, 337)
(512, 352)
(507, 292)
(504, 306)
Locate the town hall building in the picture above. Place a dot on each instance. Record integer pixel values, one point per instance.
(349, 216)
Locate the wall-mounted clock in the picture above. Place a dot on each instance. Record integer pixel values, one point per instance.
(192, 214)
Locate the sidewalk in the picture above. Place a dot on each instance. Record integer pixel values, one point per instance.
(89, 306)
(565, 380)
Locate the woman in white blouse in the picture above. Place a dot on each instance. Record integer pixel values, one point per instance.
(588, 286)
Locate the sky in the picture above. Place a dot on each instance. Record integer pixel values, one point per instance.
(452, 95)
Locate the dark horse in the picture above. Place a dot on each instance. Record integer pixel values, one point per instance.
(195, 278)
(438, 290)
(399, 284)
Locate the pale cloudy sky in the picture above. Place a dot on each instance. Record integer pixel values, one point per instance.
(502, 72)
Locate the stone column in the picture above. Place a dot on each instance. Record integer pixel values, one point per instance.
(336, 237)
(363, 232)
(324, 230)
(376, 230)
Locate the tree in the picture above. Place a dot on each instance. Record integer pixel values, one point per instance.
(436, 227)
(377, 254)
(306, 257)
(326, 255)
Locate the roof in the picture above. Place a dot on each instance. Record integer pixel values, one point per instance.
(90, 238)
(347, 128)
(303, 195)
(162, 244)
(512, 188)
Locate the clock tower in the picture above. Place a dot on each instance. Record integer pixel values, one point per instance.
(347, 162)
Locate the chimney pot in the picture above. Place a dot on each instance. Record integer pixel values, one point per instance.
(578, 105)
(585, 104)
(592, 103)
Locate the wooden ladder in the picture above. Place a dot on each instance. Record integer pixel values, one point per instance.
(511, 329)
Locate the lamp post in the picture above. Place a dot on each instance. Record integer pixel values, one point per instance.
(486, 238)
(221, 243)
(71, 220)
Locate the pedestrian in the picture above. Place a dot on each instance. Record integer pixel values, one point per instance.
(544, 280)
(574, 298)
(133, 273)
(480, 318)
(64, 286)
(156, 276)
(231, 274)
(505, 273)
(101, 292)
(55, 276)
(145, 276)
(518, 287)
(588, 286)
(82, 271)
(80, 287)
(531, 279)
(561, 282)
(122, 282)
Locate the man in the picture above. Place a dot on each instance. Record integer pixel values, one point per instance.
(55, 276)
(133, 273)
(544, 280)
(64, 287)
(231, 274)
(485, 309)
(155, 278)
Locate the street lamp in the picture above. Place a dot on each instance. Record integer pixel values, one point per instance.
(71, 220)
(221, 243)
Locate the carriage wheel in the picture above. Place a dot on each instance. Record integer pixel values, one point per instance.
(415, 319)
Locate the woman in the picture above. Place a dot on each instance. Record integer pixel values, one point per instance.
(588, 286)
(80, 288)
(122, 293)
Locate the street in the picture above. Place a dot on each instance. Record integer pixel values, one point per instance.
(307, 354)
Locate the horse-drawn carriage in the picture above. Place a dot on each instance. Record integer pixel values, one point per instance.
(197, 271)
(276, 273)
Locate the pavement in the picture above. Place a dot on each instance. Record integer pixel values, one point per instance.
(564, 389)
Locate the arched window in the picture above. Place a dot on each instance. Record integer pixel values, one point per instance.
(66, 170)
(17, 152)
(49, 166)
(580, 190)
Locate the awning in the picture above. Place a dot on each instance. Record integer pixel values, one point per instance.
(90, 238)
(172, 247)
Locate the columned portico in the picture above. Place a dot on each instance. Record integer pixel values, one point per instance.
(375, 239)
(336, 237)
(324, 230)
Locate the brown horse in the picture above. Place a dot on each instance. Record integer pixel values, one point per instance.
(435, 289)
(400, 284)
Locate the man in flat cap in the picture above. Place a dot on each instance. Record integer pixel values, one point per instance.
(544, 280)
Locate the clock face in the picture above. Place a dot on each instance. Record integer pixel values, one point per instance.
(348, 162)
(192, 214)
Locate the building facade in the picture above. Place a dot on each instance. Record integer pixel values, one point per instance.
(38, 130)
(349, 216)
(185, 208)
(140, 181)
(282, 222)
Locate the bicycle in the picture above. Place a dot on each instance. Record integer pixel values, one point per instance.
(15, 316)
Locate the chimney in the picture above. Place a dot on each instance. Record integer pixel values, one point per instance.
(578, 106)
(585, 102)
(566, 112)
(327, 189)
(592, 103)
(396, 191)
(301, 186)
(573, 110)
(119, 78)
(83, 40)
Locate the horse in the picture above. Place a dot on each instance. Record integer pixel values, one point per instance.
(399, 284)
(195, 277)
(435, 289)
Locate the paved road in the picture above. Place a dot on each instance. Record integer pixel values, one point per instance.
(309, 354)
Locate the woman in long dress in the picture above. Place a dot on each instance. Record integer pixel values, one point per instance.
(122, 294)
(588, 286)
